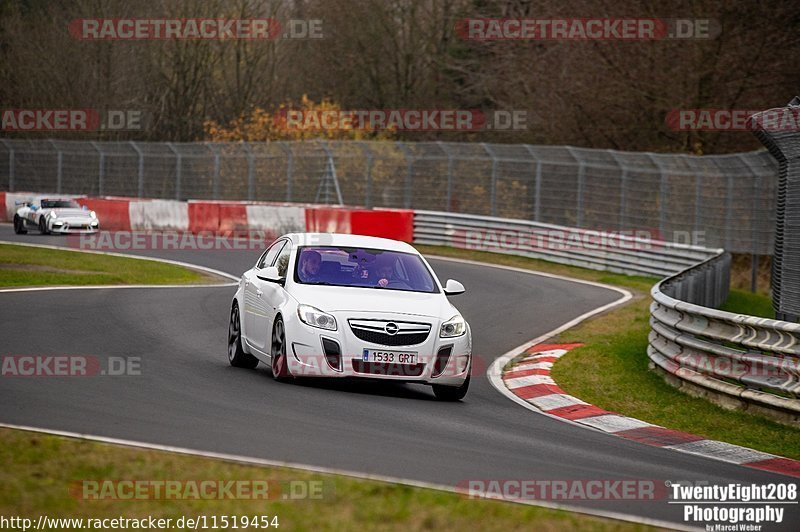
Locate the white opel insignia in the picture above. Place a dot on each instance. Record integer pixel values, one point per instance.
(336, 305)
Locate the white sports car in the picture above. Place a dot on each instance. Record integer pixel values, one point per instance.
(55, 215)
(336, 305)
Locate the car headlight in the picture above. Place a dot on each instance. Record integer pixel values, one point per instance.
(93, 215)
(455, 326)
(316, 318)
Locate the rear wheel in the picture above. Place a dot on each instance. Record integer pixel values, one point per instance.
(19, 225)
(43, 226)
(236, 355)
(280, 367)
(451, 393)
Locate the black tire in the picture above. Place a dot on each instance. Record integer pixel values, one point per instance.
(280, 368)
(43, 226)
(451, 393)
(19, 225)
(236, 355)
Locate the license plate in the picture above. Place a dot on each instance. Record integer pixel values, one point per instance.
(393, 357)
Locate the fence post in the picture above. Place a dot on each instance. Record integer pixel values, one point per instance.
(409, 175)
(289, 169)
(59, 165)
(101, 169)
(449, 192)
(368, 184)
(581, 185)
(623, 190)
(141, 168)
(754, 247)
(662, 196)
(178, 158)
(10, 164)
(215, 184)
(493, 190)
(537, 187)
(251, 163)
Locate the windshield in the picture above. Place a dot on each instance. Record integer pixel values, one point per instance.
(363, 267)
(60, 204)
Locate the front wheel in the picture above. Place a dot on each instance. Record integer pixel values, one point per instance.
(19, 225)
(43, 226)
(236, 355)
(280, 367)
(451, 393)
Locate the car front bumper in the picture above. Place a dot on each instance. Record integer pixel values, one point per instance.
(309, 353)
(72, 226)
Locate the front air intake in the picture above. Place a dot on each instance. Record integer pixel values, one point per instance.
(442, 357)
(333, 354)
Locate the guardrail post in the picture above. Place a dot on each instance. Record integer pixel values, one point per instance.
(10, 164)
(101, 169)
(178, 168)
(141, 168)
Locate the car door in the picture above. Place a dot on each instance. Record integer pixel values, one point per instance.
(273, 295)
(254, 304)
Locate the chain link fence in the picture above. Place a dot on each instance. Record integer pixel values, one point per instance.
(719, 201)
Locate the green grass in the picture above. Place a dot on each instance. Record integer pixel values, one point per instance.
(40, 469)
(742, 302)
(31, 266)
(611, 370)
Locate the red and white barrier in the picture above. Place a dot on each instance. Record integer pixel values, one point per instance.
(200, 216)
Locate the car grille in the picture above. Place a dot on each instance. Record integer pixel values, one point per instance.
(375, 332)
(388, 368)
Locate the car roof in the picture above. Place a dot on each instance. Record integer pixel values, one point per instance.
(346, 240)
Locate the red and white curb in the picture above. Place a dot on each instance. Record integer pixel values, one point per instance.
(530, 380)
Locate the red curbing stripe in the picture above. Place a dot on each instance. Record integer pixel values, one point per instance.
(574, 412)
(536, 390)
(784, 466)
(658, 436)
(549, 347)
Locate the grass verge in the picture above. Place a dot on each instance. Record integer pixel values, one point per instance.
(611, 370)
(40, 471)
(31, 266)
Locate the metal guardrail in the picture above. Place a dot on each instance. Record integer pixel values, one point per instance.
(607, 251)
(752, 360)
(743, 359)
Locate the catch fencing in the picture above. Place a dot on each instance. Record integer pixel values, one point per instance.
(719, 201)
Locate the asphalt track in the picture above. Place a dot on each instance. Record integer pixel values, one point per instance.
(188, 396)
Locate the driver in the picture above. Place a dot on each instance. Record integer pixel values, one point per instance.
(310, 262)
(385, 273)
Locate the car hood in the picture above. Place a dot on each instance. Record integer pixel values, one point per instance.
(71, 213)
(369, 300)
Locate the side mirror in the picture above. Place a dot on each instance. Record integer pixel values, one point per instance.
(453, 288)
(270, 275)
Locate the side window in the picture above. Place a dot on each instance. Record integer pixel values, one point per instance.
(282, 263)
(269, 255)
